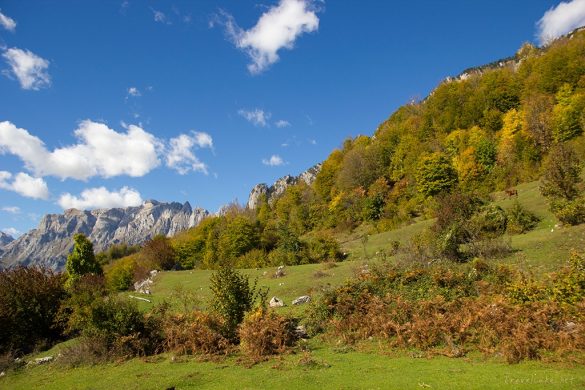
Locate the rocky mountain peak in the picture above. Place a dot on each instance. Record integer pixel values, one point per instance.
(51, 242)
(277, 189)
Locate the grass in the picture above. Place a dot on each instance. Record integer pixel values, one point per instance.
(299, 280)
(323, 367)
(541, 250)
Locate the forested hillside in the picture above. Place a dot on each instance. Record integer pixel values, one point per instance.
(487, 130)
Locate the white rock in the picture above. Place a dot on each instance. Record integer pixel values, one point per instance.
(302, 299)
(276, 302)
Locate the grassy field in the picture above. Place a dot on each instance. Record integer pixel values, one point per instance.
(542, 250)
(322, 368)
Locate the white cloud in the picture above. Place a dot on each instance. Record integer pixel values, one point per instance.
(11, 209)
(133, 91)
(274, 161)
(24, 185)
(180, 155)
(277, 28)
(160, 17)
(101, 198)
(28, 68)
(561, 19)
(313, 142)
(7, 22)
(257, 117)
(282, 123)
(203, 140)
(13, 232)
(100, 151)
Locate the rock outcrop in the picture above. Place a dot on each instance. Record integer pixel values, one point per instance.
(50, 243)
(277, 189)
(5, 239)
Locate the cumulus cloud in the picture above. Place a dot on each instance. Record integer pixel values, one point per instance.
(24, 184)
(561, 19)
(274, 161)
(134, 92)
(180, 155)
(257, 116)
(282, 123)
(11, 209)
(28, 68)
(100, 151)
(101, 198)
(278, 28)
(13, 232)
(7, 22)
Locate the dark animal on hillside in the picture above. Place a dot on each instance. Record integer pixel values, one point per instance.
(511, 192)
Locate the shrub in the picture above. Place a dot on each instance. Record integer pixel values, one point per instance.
(570, 212)
(159, 253)
(83, 292)
(323, 247)
(520, 220)
(29, 302)
(264, 333)
(232, 298)
(122, 329)
(491, 221)
(196, 332)
(256, 258)
(120, 274)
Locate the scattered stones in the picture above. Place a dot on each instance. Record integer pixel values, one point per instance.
(276, 302)
(39, 361)
(302, 299)
(144, 286)
(279, 272)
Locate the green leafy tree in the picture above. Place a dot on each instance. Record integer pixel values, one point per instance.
(232, 297)
(435, 175)
(561, 174)
(568, 114)
(82, 260)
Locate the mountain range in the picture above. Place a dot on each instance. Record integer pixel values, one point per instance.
(51, 242)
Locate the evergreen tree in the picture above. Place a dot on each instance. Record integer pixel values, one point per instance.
(82, 260)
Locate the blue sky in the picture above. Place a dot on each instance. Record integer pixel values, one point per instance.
(109, 103)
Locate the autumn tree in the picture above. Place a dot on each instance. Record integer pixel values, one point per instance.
(435, 175)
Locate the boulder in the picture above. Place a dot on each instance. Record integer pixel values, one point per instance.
(302, 299)
(276, 302)
(280, 272)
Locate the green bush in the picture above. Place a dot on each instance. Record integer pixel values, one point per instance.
(120, 274)
(520, 220)
(570, 212)
(232, 297)
(29, 303)
(122, 329)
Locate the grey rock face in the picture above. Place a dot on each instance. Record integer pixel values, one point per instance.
(51, 242)
(5, 239)
(280, 185)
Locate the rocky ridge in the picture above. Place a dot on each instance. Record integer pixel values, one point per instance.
(280, 185)
(5, 239)
(50, 243)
